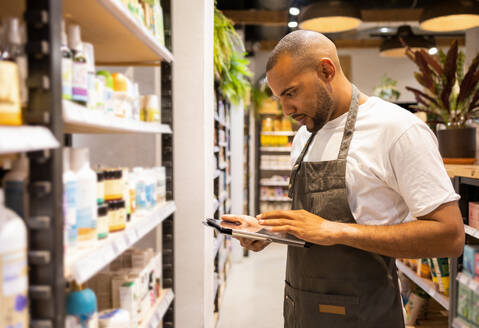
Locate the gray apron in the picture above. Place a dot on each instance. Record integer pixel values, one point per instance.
(336, 286)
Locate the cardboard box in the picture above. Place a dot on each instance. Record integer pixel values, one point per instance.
(464, 302)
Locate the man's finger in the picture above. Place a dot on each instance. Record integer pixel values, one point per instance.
(231, 218)
(284, 228)
(274, 215)
(275, 222)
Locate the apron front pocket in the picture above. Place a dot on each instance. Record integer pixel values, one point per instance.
(315, 310)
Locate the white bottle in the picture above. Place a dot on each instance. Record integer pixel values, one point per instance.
(86, 212)
(90, 62)
(70, 194)
(15, 186)
(80, 67)
(13, 264)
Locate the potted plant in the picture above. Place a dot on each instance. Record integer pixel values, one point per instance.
(230, 65)
(451, 98)
(387, 89)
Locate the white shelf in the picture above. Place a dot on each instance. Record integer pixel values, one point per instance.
(279, 133)
(223, 166)
(277, 149)
(228, 180)
(217, 174)
(223, 144)
(471, 231)
(426, 284)
(216, 205)
(19, 139)
(82, 264)
(216, 149)
(219, 240)
(460, 323)
(105, 22)
(157, 312)
(275, 168)
(79, 119)
(275, 199)
(275, 183)
(468, 281)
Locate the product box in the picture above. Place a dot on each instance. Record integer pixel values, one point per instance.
(129, 301)
(441, 267)
(475, 308)
(464, 302)
(471, 252)
(474, 214)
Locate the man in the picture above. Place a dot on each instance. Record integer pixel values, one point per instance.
(364, 170)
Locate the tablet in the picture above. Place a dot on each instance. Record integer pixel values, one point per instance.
(255, 232)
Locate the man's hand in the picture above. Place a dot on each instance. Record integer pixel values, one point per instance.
(301, 224)
(247, 223)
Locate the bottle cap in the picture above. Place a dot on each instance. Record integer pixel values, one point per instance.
(74, 37)
(102, 210)
(79, 157)
(100, 176)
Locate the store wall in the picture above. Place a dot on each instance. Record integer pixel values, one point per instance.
(367, 69)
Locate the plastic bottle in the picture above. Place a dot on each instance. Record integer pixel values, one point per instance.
(67, 66)
(15, 186)
(13, 264)
(81, 308)
(70, 194)
(90, 60)
(10, 105)
(80, 66)
(15, 50)
(86, 197)
(107, 90)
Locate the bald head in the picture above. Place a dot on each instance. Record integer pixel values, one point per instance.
(306, 49)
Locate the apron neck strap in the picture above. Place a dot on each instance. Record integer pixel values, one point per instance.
(350, 123)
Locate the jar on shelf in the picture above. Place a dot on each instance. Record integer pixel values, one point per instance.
(102, 225)
(113, 184)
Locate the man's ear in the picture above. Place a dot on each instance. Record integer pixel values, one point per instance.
(326, 69)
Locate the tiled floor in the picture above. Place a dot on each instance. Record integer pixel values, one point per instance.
(254, 292)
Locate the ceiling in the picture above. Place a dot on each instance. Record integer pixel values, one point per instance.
(265, 21)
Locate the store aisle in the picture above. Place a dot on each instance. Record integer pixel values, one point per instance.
(254, 292)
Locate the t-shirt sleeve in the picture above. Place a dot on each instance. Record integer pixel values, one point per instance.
(417, 171)
(299, 141)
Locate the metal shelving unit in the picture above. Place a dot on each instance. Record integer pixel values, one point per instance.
(466, 184)
(425, 284)
(222, 191)
(49, 119)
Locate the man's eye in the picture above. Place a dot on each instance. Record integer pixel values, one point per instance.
(291, 94)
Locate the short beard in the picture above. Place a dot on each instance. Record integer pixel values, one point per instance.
(324, 109)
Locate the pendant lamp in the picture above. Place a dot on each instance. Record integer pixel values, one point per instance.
(393, 47)
(330, 16)
(446, 16)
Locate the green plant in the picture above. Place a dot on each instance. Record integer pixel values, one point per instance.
(387, 89)
(450, 96)
(230, 65)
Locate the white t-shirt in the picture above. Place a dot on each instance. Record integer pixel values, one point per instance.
(394, 171)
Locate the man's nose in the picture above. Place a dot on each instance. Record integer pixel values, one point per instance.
(288, 109)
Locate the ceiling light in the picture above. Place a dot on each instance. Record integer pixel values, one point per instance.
(292, 24)
(433, 51)
(443, 16)
(393, 47)
(294, 11)
(384, 30)
(330, 16)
